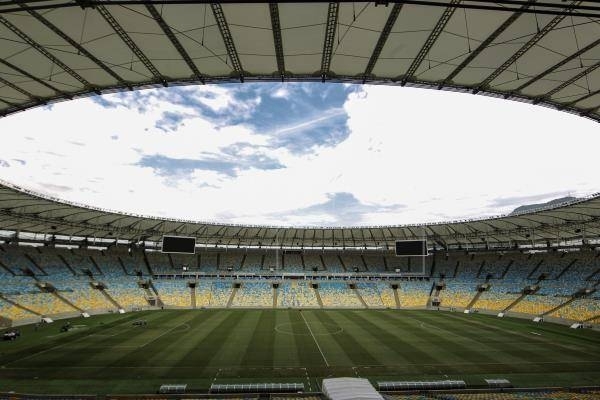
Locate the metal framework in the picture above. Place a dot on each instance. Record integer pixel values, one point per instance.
(526, 47)
(383, 37)
(110, 19)
(431, 39)
(25, 211)
(228, 39)
(484, 45)
(277, 39)
(249, 41)
(332, 20)
(169, 33)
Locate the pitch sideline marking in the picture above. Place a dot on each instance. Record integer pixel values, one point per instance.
(315, 339)
(269, 367)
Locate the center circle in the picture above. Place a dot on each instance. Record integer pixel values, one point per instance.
(301, 329)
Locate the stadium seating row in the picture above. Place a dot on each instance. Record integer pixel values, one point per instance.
(558, 275)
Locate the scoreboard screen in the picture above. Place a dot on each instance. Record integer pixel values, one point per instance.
(179, 244)
(408, 248)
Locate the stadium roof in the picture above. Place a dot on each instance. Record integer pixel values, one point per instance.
(543, 52)
(22, 210)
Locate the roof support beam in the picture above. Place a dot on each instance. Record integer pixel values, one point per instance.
(20, 90)
(76, 45)
(431, 39)
(277, 40)
(558, 65)
(332, 18)
(523, 49)
(176, 43)
(45, 53)
(227, 39)
(383, 37)
(568, 82)
(108, 17)
(483, 45)
(33, 78)
(582, 98)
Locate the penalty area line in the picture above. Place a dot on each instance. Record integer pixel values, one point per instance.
(315, 339)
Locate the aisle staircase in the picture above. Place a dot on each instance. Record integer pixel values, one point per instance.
(231, 297)
(360, 298)
(474, 300)
(35, 264)
(524, 294)
(14, 303)
(66, 301)
(396, 297)
(480, 291)
(275, 291)
(318, 295)
(110, 299)
(193, 296)
(64, 260)
(558, 307)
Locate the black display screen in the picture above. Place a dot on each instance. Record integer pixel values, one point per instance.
(179, 244)
(407, 248)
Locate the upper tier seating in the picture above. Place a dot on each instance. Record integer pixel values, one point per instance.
(312, 261)
(292, 262)
(160, 263)
(253, 262)
(230, 260)
(332, 263)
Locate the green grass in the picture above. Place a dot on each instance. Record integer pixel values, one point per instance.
(106, 354)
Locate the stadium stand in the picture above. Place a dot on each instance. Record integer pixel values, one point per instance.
(413, 294)
(312, 262)
(498, 297)
(173, 292)
(338, 294)
(297, 294)
(559, 276)
(292, 262)
(254, 294)
(458, 294)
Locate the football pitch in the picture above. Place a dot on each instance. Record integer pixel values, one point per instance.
(109, 354)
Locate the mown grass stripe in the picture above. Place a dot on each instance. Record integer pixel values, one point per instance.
(307, 352)
(478, 337)
(260, 347)
(354, 350)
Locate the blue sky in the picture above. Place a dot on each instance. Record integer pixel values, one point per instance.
(301, 154)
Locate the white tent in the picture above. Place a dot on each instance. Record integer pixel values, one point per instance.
(350, 389)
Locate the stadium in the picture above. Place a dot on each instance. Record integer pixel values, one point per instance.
(97, 303)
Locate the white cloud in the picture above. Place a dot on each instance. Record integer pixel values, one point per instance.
(282, 92)
(443, 155)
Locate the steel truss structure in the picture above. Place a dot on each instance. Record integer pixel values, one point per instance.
(541, 52)
(570, 222)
